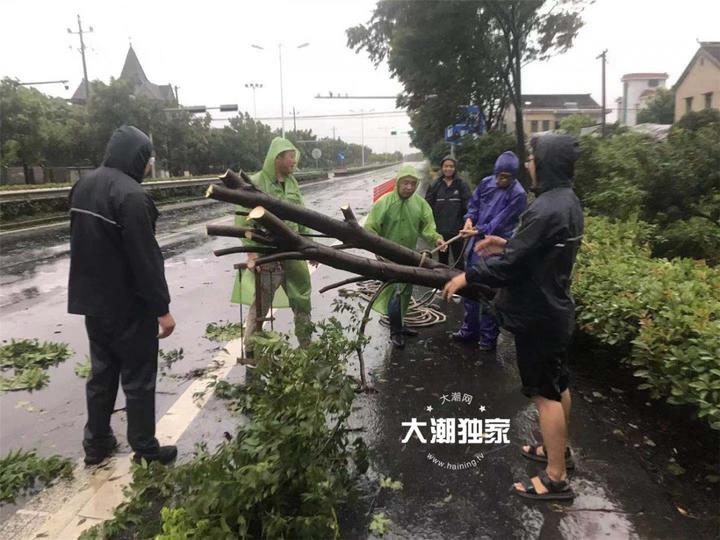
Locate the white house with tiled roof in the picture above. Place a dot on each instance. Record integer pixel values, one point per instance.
(638, 88)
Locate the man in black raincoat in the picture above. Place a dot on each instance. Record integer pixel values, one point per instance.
(533, 273)
(448, 197)
(117, 280)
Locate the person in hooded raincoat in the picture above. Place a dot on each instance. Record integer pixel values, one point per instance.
(285, 283)
(117, 280)
(403, 217)
(533, 271)
(494, 209)
(448, 197)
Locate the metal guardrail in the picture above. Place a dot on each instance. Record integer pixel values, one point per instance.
(56, 193)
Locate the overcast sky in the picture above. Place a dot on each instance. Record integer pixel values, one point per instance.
(205, 49)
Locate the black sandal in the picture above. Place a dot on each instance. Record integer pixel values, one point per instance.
(542, 458)
(556, 491)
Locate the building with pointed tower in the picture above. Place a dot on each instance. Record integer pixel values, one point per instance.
(133, 73)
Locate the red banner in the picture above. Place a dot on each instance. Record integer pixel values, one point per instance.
(383, 189)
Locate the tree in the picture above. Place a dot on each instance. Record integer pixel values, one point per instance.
(526, 31)
(695, 120)
(454, 53)
(660, 108)
(22, 137)
(439, 53)
(477, 156)
(574, 123)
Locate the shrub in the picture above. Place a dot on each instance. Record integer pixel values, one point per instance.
(477, 156)
(666, 313)
(282, 475)
(674, 184)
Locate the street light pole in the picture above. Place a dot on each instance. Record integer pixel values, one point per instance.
(282, 96)
(603, 55)
(362, 133)
(254, 86)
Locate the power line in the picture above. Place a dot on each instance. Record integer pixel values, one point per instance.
(385, 114)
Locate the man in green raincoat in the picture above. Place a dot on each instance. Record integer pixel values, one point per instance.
(401, 216)
(285, 283)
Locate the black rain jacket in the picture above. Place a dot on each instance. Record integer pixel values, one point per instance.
(449, 204)
(116, 267)
(534, 272)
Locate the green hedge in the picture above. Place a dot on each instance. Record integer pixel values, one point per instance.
(665, 312)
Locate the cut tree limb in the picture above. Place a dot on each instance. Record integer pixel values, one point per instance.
(290, 245)
(349, 231)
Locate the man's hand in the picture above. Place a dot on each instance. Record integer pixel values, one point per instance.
(441, 244)
(252, 257)
(454, 285)
(491, 245)
(468, 230)
(167, 325)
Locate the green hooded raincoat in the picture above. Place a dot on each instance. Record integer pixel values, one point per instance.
(403, 221)
(296, 293)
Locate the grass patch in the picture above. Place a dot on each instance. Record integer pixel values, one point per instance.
(29, 359)
(21, 471)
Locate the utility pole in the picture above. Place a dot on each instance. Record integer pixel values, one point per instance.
(177, 96)
(333, 132)
(603, 55)
(80, 33)
(294, 124)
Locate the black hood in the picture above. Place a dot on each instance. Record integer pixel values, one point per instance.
(129, 150)
(555, 157)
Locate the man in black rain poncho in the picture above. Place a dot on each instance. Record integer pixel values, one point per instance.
(533, 273)
(117, 280)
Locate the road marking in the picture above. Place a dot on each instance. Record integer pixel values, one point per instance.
(97, 502)
(102, 488)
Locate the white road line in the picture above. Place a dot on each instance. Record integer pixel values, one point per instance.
(103, 490)
(97, 502)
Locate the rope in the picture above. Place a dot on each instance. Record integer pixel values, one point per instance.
(419, 313)
(423, 312)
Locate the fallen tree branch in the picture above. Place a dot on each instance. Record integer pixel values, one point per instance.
(348, 231)
(244, 249)
(289, 241)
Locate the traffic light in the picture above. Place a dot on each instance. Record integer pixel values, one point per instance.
(229, 107)
(393, 132)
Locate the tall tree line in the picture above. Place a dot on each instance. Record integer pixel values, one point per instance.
(452, 53)
(36, 129)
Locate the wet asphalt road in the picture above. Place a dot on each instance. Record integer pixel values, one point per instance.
(615, 497)
(33, 304)
(445, 494)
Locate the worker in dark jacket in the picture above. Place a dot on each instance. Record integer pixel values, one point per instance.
(448, 197)
(533, 271)
(117, 280)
